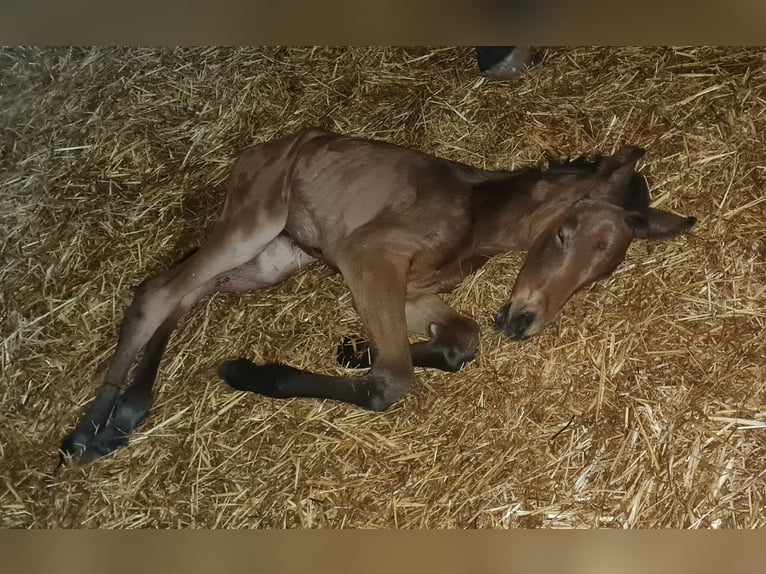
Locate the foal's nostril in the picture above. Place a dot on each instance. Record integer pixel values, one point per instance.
(519, 324)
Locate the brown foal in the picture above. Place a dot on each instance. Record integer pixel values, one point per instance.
(401, 227)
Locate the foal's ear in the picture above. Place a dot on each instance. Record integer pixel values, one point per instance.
(625, 161)
(658, 224)
(618, 169)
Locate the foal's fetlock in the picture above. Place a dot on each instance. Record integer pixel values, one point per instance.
(383, 390)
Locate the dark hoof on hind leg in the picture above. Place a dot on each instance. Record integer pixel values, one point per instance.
(268, 380)
(354, 353)
(72, 448)
(82, 447)
(77, 449)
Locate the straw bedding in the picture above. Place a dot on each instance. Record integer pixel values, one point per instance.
(644, 405)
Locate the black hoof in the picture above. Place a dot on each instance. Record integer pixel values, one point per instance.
(269, 380)
(354, 353)
(506, 62)
(72, 448)
(83, 446)
(77, 449)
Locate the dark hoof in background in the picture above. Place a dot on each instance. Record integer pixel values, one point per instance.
(506, 62)
(354, 353)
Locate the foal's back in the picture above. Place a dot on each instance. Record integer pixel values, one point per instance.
(340, 186)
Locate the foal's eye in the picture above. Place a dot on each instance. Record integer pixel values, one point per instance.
(560, 235)
(601, 246)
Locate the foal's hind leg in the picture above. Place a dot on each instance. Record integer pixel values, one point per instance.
(120, 414)
(280, 259)
(150, 320)
(453, 343)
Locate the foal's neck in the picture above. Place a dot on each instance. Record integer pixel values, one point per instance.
(511, 210)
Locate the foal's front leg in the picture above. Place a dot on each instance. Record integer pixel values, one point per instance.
(378, 288)
(454, 338)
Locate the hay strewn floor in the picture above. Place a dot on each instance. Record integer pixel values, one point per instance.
(643, 406)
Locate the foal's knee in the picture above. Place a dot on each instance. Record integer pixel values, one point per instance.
(387, 386)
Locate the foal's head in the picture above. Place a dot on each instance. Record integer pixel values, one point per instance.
(586, 244)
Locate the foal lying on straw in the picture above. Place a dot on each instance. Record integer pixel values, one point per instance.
(401, 227)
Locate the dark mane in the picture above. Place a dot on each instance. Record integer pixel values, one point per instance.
(636, 197)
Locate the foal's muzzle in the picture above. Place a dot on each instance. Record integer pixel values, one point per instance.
(514, 326)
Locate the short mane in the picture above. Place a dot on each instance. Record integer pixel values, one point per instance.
(636, 196)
